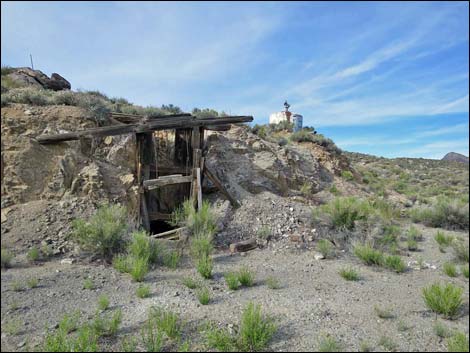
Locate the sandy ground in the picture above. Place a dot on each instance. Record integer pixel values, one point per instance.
(314, 300)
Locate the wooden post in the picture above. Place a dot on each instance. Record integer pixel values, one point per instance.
(199, 188)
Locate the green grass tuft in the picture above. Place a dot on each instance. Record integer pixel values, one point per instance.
(450, 269)
(204, 267)
(203, 295)
(246, 277)
(143, 291)
(232, 280)
(349, 274)
(443, 299)
(255, 330)
(103, 302)
(458, 343)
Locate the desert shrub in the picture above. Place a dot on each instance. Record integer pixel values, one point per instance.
(203, 295)
(255, 330)
(171, 259)
(104, 233)
(122, 263)
(273, 283)
(220, 339)
(464, 270)
(139, 267)
(349, 274)
(96, 105)
(88, 284)
(204, 266)
(344, 211)
(305, 135)
(387, 343)
(395, 263)
(458, 342)
(200, 222)
(201, 246)
(264, 232)
(443, 299)
(142, 246)
(107, 324)
(7, 256)
(450, 269)
(283, 125)
(412, 245)
(190, 283)
(5, 70)
(334, 190)
(413, 233)
(369, 255)
(306, 189)
(441, 330)
(16, 286)
(325, 247)
(29, 95)
(152, 337)
(461, 251)
(85, 340)
(103, 302)
(142, 291)
(32, 282)
(384, 313)
(444, 213)
(329, 344)
(443, 240)
(65, 98)
(129, 344)
(347, 175)
(166, 321)
(246, 277)
(232, 280)
(33, 254)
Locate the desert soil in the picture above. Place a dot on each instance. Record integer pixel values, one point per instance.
(313, 301)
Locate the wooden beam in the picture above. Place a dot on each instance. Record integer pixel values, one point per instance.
(199, 188)
(243, 246)
(147, 126)
(156, 216)
(235, 203)
(166, 180)
(168, 233)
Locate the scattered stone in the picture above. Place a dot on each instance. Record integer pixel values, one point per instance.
(67, 261)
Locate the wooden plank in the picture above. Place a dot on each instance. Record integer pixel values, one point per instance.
(199, 188)
(148, 126)
(243, 246)
(235, 203)
(168, 233)
(155, 216)
(145, 214)
(218, 127)
(159, 182)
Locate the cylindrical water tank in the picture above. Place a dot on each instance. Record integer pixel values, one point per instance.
(297, 120)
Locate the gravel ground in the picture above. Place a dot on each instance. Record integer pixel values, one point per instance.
(313, 301)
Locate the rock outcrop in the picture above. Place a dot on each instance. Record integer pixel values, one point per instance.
(25, 76)
(455, 157)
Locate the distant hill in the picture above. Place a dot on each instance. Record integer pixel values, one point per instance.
(455, 157)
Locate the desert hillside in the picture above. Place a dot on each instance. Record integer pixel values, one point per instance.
(343, 251)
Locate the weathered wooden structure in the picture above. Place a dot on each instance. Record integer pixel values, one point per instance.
(165, 179)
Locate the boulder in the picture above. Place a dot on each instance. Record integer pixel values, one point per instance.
(58, 83)
(25, 76)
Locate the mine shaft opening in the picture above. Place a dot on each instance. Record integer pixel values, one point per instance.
(160, 226)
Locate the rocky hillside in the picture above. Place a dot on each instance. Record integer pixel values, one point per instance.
(455, 157)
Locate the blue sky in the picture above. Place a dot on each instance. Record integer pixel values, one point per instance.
(390, 79)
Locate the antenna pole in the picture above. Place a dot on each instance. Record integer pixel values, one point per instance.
(31, 57)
